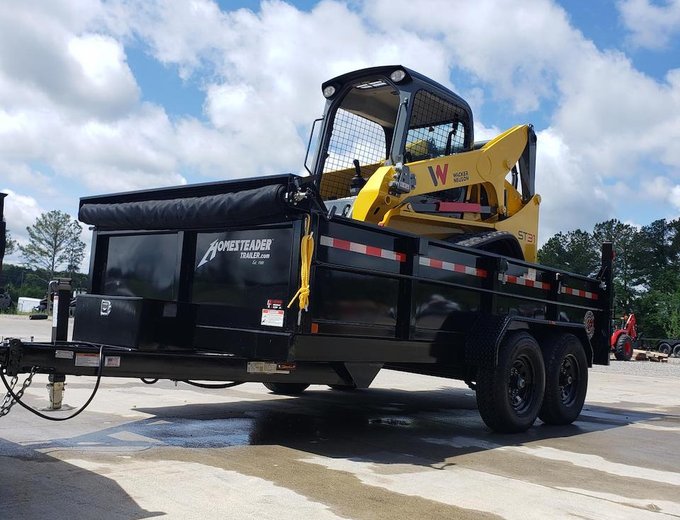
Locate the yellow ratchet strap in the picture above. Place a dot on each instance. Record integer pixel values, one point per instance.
(306, 253)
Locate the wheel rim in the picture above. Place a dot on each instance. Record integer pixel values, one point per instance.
(521, 384)
(628, 349)
(568, 380)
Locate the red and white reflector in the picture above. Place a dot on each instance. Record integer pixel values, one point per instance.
(355, 247)
(521, 280)
(450, 266)
(578, 292)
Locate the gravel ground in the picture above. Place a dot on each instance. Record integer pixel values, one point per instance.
(642, 368)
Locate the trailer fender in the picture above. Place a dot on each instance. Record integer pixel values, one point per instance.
(484, 339)
(488, 331)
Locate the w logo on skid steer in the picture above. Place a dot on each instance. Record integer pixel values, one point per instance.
(438, 174)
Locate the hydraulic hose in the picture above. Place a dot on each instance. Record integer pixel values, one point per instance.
(214, 387)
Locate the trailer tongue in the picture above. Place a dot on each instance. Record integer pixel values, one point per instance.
(293, 281)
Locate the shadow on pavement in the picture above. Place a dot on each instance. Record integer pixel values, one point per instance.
(35, 485)
(378, 425)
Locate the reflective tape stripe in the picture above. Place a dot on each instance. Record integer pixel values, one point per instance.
(579, 293)
(449, 266)
(355, 247)
(521, 280)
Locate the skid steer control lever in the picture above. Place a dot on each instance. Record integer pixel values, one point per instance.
(357, 181)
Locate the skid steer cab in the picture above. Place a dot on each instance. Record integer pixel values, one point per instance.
(405, 249)
(398, 150)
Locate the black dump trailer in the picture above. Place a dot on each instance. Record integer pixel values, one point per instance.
(205, 282)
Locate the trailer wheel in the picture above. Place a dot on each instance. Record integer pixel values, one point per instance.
(510, 395)
(676, 351)
(624, 348)
(286, 388)
(566, 380)
(664, 348)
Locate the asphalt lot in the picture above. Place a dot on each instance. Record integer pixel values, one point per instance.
(411, 447)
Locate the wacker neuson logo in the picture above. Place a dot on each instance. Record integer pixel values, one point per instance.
(248, 249)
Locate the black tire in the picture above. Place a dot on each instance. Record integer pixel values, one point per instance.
(624, 348)
(286, 388)
(676, 351)
(566, 380)
(510, 395)
(664, 348)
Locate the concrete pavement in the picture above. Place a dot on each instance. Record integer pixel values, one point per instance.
(409, 447)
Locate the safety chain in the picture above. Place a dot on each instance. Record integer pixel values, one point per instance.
(9, 401)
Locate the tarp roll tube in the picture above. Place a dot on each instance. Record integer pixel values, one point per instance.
(252, 206)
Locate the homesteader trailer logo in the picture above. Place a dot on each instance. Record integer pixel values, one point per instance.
(249, 249)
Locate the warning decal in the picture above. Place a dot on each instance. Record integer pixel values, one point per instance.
(87, 360)
(272, 317)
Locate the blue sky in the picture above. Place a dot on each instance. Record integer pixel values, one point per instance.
(126, 94)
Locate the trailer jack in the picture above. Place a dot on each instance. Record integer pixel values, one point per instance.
(55, 388)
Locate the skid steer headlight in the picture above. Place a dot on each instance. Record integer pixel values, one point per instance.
(397, 75)
(328, 91)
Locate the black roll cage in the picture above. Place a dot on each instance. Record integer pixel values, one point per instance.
(406, 88)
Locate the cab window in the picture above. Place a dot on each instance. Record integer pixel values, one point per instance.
(436, 128)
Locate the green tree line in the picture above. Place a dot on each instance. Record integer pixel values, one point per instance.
(24, 281)
(53, 250)
(646, 269)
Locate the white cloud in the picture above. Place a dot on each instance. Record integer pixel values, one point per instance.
(572, 195)
(20, 213)
(511, 63)
(21, 174)
(69, 100)
(86, 74)
(652, 26)
(665, 190)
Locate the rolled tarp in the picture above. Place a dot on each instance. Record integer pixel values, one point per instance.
(252, 206)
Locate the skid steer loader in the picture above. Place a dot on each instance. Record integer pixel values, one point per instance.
(397, 149)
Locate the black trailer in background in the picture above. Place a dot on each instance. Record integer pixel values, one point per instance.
(195, 283)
